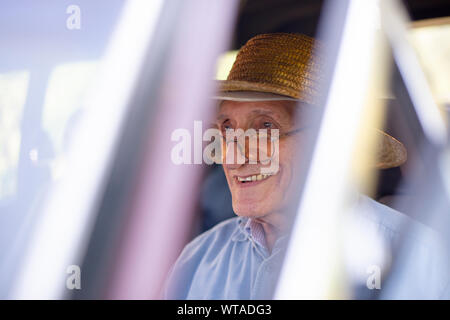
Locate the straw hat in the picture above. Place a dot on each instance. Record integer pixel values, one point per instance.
(286, 66)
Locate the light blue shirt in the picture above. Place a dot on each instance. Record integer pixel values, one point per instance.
(230, 261)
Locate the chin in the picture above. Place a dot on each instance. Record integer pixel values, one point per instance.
(250, 209)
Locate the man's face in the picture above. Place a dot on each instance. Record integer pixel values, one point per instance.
(268, 195)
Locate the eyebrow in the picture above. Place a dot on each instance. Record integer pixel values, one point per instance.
(221, 116)
(255, 112)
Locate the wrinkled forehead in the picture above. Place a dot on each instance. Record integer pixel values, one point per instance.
(280, 110)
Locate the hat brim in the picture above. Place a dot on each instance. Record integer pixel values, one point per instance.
(251, 96)
(238, 90)
(391, 152)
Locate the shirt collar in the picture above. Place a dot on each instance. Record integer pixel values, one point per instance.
(250, 229)
(256, 231)
(241, 233)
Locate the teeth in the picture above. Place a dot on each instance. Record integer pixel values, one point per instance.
(254, 177)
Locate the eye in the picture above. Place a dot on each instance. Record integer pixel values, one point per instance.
(264, 122)
(226, 125)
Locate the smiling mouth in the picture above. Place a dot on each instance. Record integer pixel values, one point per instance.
(253, 178)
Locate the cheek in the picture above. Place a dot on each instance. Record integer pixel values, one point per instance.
(226, 176)
(287, 159)
(288, 163)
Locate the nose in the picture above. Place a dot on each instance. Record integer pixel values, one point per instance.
(233, 157)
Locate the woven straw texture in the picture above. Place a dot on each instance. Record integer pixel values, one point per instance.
(280, 63)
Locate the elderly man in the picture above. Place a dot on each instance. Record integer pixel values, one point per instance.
(273, 76)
